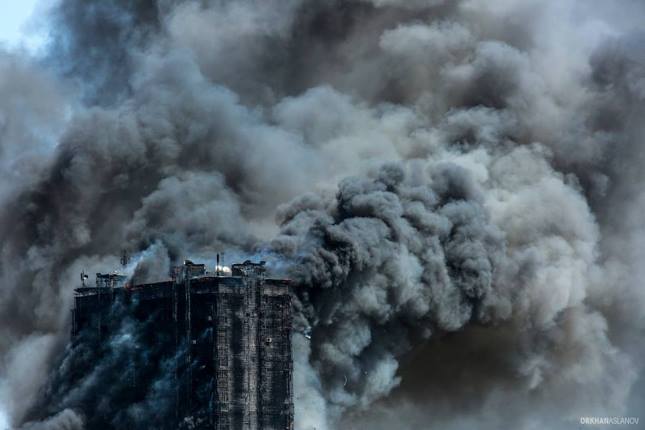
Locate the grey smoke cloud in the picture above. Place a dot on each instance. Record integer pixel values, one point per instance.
(33, 113)
(393, 255)
(454, 186)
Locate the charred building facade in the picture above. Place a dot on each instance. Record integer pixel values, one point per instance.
(218, 347)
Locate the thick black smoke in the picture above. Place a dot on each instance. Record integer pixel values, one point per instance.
(384, 265)
(454, 185)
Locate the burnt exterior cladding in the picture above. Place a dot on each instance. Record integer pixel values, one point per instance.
(227, 339)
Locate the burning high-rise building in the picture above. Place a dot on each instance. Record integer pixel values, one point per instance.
(224, 338)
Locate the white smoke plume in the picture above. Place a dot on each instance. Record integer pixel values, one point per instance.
(453, 185)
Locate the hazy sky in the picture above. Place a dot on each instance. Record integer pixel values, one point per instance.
(16, 27)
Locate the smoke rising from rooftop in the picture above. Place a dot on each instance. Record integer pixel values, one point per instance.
(453, 185)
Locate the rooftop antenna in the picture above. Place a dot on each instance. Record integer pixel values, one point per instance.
(84, 277)
(125, 258)
(217, 266)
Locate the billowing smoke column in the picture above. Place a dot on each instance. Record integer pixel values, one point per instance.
(454, 186)
(387, 262)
